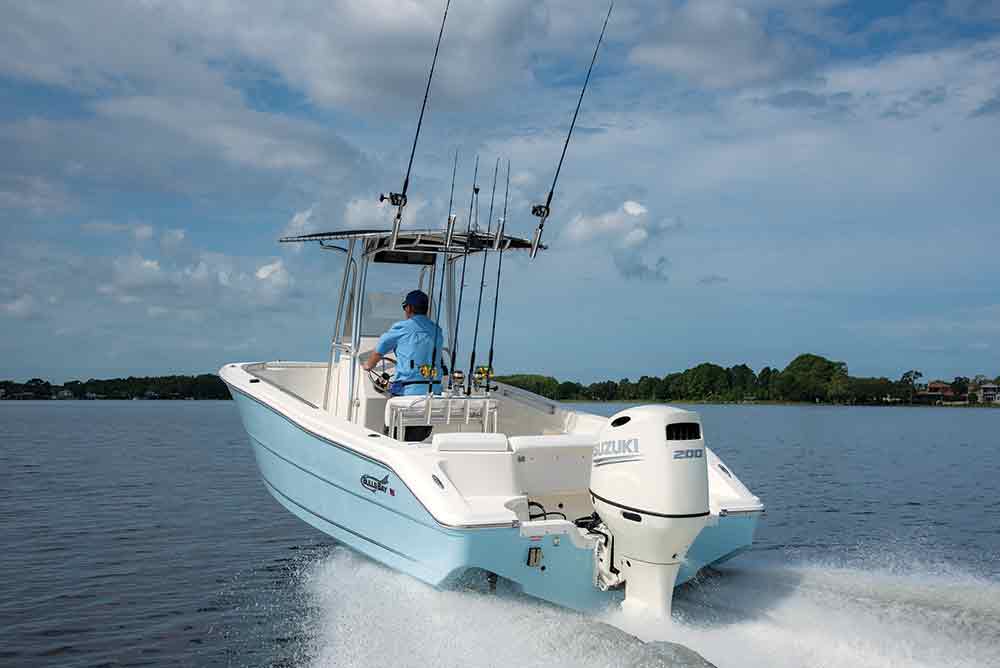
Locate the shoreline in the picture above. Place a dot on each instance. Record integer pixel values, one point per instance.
(703, 402)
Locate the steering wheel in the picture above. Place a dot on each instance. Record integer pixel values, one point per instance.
(381, 379)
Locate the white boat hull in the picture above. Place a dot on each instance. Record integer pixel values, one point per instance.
(364, 502)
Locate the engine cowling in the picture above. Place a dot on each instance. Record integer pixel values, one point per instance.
(649, 485)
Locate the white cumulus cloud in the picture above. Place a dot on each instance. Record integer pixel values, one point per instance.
(633, 208)
(22, 307)
(631, 235)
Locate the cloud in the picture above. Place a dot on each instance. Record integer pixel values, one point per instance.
(34, 194)
(988, 108)
(23, 308)
(274, 273)
(362, 213)
(138, 231)
(716, 44)
(914, 105)
(135, 274)
(244, 137)
(634, 208)
(821, 104)
(302, 222)
(365, 213)
(630, 234)
(958, 324)
(772, 121)
(172, 239)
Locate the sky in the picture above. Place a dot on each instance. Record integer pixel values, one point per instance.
(748, 180)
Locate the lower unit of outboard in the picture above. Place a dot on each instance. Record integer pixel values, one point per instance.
(649, 485)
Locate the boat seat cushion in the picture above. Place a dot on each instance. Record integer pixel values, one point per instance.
(470, 442)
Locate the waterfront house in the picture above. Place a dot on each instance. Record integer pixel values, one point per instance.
(989, 393)
(942, 388)
(936, 391)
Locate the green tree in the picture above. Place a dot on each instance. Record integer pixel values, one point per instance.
(547, 386)
(742, 381)
(870, 390)
(603, 391)
(645, 389)
(908, 383)
(808, 378)
(765, 381)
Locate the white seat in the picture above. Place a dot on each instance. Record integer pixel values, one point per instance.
(413, 411)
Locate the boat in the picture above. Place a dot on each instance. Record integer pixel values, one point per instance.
(476, 477)
(566, 505)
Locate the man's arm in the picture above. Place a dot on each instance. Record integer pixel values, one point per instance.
(386, 344)
(373, 359)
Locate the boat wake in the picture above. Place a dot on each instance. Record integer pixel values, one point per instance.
(752, 614)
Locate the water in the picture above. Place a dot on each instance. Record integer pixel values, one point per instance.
(138, 533)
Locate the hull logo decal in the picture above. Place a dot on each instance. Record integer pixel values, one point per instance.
(374, 485)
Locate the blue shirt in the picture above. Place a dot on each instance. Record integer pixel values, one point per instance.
(413, 340)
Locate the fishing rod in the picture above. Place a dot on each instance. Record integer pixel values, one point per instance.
(398, 200)
(498, 245)
(461, 283)
(444, 270)
(542, 211)
(482, 284)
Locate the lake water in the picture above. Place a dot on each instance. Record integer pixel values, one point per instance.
(138, 533)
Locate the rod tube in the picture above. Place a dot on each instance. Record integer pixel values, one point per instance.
(548, 200)
(496, 294)
(482, 284)
(420, 121)
(461, 283)
(444, 270)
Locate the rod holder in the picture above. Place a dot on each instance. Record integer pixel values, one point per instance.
(449, 235)
(535, 242)
(396, 222)
(501, 222)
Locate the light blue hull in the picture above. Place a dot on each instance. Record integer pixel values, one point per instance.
(716, 544)
(319, 481)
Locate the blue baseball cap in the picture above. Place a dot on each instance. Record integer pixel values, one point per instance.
(417, 299)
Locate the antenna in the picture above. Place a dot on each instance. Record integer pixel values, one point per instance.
(542, 211)
(461, 283)
(496, 294)
(482, 284)
(398, 200)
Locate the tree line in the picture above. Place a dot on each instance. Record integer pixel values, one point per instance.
(807, 378)
(204, 386)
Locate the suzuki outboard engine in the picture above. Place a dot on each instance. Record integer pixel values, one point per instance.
(649, 485)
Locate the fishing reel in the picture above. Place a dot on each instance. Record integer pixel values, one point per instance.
(481, 378)
(457, 378)
(540, 211)
(395, 199)
(428, 371)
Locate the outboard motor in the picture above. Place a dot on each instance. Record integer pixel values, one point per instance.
(649, 485)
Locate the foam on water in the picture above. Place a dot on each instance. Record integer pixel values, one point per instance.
(822, 615)
(754, 614)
